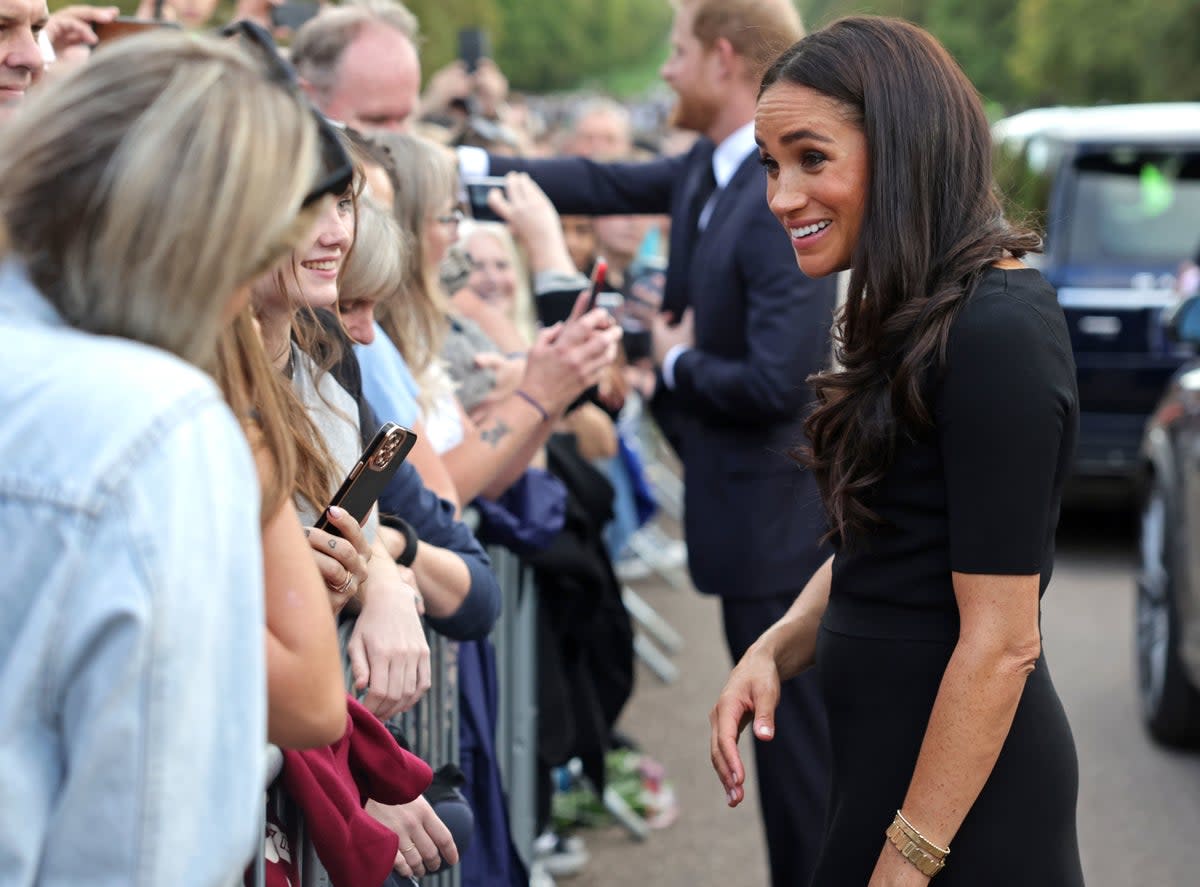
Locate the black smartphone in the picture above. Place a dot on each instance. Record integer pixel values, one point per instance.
(125, 26)
(363, 485)
(293, 15)
(472, 46)
(477, 193)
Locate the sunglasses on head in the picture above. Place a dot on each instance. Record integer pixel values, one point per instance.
(336, 173)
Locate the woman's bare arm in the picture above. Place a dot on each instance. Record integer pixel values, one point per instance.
(306, 696)
(998, 647)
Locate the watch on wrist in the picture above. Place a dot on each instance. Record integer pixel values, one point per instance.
(409, 554)
(404, 528)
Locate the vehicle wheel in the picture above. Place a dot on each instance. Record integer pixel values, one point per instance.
(1170, 704)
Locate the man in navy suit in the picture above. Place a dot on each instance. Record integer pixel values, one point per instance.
(741, 330)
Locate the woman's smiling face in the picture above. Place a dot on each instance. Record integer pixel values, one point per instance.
(318, 261)
(818, 173)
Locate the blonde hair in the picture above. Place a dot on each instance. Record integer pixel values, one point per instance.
(524, 313)
(758, 30)
(143, 189)
(425, 174)
(375, 270)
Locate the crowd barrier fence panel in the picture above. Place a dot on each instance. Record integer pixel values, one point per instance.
(431, 727)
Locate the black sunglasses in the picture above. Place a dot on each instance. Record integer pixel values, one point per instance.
(337, 170)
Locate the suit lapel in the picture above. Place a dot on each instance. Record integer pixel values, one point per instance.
(683, 240)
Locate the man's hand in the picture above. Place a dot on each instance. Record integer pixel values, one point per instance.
(446, 85)
(491, 88)
(667, 336)
(424, 839)
(534, 221)
(72, 25)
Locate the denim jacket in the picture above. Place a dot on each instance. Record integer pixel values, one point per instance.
(132, 680)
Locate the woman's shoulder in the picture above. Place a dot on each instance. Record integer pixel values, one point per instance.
(1009, 308)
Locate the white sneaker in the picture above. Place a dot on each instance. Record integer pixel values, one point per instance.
(560, 856)
(539, 877)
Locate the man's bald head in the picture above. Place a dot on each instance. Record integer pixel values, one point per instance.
(360, 64)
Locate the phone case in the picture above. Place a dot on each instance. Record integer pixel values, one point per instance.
(366, 481)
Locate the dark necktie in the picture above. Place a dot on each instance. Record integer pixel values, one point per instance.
(701, 184)
(705, 188)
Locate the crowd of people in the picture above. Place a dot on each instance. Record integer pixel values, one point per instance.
(263, 255)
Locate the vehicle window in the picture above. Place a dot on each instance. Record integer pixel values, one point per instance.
(1135, 207)
(1023, 171)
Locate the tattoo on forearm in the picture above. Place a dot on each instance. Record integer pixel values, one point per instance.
(492, 436)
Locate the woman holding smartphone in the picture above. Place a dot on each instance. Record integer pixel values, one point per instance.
(388, 652)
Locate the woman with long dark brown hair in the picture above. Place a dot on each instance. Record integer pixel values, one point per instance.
(940, 446)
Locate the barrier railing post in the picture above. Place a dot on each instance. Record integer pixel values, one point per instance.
(515, 639)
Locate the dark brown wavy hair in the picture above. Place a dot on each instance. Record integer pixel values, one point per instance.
(932, 223)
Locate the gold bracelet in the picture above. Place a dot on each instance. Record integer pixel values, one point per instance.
(927, 845)
(912, 846)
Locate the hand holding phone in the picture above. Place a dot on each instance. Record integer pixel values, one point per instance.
(366, 481)
(599, 278)
(477, 196)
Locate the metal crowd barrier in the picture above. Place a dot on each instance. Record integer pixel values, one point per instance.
(432, 725)
(515, 640)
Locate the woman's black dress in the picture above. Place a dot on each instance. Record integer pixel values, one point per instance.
(980, 493)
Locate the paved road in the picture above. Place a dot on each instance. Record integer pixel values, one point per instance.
(1139, 812)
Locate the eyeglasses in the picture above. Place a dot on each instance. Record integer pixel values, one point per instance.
(451, 218)
(337, 170)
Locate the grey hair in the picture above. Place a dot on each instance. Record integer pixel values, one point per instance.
(143, 190)
(602, 105)
(320, 43)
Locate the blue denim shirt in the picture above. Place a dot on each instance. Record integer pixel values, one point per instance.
(132, 680)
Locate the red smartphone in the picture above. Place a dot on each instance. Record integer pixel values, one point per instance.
(124, 26)
(599, 275)
(365, 482)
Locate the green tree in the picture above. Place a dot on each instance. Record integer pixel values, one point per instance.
(1072, 51)
(440, 22)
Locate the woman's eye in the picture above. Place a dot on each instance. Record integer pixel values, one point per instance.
(812, 158)
(345, 205)
(768, 163)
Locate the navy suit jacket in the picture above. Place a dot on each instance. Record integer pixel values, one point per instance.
(752, 518)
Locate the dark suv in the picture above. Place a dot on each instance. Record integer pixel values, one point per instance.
(1168, 600)
(1117, 190)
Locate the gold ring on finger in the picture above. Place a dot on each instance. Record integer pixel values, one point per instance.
(409, 847)
(341, 589)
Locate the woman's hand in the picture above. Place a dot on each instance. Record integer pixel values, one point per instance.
(389, 655)
(567, 359)
(534, 222)
(752, 691)
(342, 562)
(424, 839)
(893, 870)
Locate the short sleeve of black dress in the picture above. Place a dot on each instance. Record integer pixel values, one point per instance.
(1007, 417)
